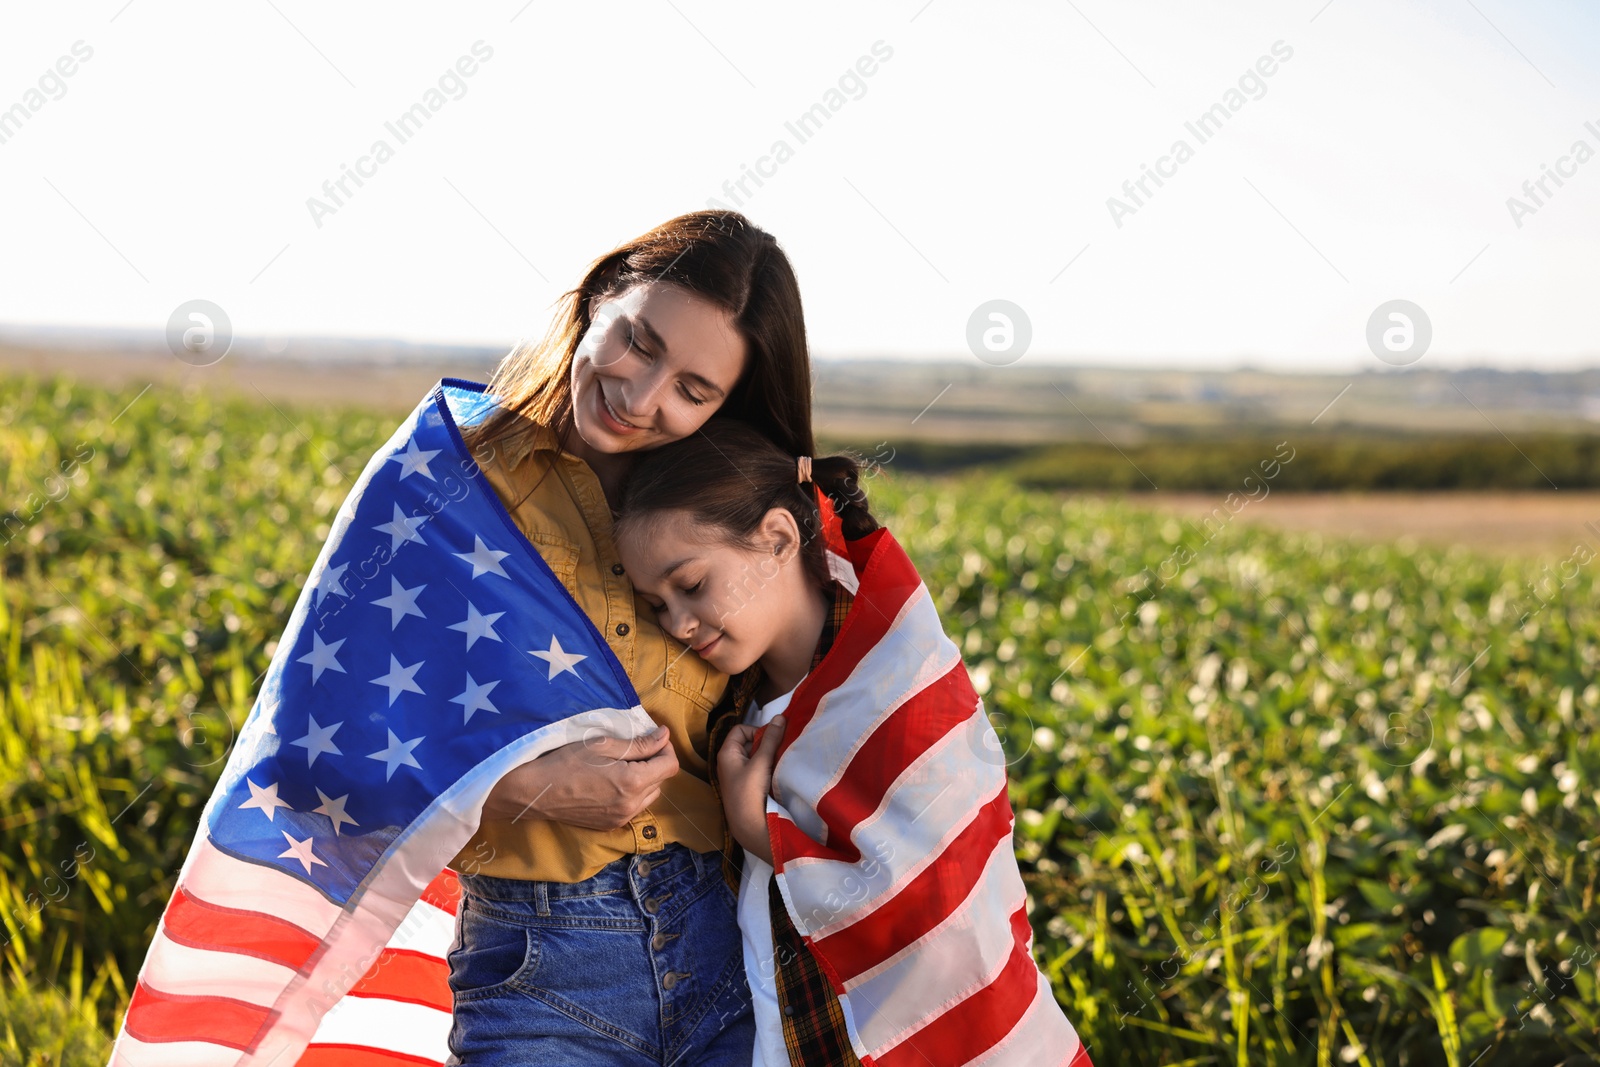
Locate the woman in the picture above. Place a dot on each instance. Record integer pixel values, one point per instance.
(596, 923)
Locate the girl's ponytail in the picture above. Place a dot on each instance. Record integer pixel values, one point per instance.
(839, 477)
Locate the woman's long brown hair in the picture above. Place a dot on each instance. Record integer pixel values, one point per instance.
(718, 255)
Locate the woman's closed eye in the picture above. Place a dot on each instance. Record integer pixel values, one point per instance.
(633, 344)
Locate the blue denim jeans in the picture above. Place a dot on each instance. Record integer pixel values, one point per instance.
(639, 965)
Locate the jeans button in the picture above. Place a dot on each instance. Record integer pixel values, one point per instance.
(653, 904)
(659, 942)
(672, 977)
(645, 867)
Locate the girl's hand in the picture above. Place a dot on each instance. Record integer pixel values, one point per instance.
(744, 774)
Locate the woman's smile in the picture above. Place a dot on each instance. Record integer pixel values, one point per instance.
(613, 422)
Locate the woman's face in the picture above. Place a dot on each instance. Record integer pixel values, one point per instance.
(657, 362)
(729, 603)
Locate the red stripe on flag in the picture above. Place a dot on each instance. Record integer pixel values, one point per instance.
(156, 1016)
(444, 892)
(413, 977)
(356, 1056)
(905, 736)
(924, 902)
(969, 1028)
(191, 921)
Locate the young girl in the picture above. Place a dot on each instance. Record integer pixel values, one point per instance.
(883, 915)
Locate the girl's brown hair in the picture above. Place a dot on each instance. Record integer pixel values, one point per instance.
(727, 476)
(718, 255)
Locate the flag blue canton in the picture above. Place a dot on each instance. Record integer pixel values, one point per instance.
(430, 635)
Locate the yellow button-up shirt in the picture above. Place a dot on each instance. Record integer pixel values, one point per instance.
(565, 515)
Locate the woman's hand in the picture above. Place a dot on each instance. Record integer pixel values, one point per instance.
(599, 783)
(744, 776)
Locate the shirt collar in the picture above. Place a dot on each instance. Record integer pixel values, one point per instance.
(518, 446)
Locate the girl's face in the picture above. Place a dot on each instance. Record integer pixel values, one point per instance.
(728, 603)
(657, 362)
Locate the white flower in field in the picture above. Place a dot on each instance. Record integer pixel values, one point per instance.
(1046, 738)
(1530, 801)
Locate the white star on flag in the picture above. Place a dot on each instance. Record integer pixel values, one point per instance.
(265, 799)
(399, 679)
(329, 580)
(318, 740)
(402, 529)
(484, 560)
(300, 850)
(477, 625)
(414, 460)
(401, 602)
(397, 754)
(321, 657)
(333, 808)
(475, 698)
(558, 658)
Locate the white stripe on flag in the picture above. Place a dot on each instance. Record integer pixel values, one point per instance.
(391, 1025)
(950, 962)
(930, 806)
(228, 974)
(997, 892)
(425, 929)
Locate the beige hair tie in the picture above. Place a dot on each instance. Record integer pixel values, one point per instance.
(803, 469)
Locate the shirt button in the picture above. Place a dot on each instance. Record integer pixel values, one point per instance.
(788, 1009)
(616, 568)
(622, 629)
(649, 832)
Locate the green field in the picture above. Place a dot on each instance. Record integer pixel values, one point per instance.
(1280, 799)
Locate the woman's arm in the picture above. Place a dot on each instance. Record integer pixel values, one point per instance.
(598, 783)
(746, 778)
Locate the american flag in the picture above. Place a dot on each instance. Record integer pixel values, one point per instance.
(891, 834)
(431, 650)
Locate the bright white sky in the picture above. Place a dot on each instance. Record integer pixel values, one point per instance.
(976, 165)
